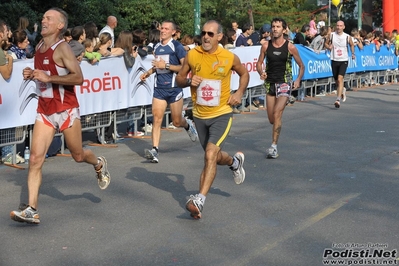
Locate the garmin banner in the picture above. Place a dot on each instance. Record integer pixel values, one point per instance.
(318, 65)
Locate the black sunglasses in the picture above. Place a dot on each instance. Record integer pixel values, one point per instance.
(210, 33)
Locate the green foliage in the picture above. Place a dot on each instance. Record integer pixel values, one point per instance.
(134, 14)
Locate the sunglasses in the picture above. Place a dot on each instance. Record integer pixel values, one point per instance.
(210, 33)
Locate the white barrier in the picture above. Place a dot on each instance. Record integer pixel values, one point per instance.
(107, 86)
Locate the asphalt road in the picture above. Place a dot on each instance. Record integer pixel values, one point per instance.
(334, 184)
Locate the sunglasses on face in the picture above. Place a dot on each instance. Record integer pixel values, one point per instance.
(210, 33)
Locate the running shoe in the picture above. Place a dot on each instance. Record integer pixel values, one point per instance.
(191, 131)
(27, 215)
(291, 100)
(151, 155)
(103, 176)
(239, 173)
(272, 153)
(343, 95)
(194, 205)
(337, 104)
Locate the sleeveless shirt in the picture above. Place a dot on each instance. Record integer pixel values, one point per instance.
(53, 98)
(339, 51)
(278, 63)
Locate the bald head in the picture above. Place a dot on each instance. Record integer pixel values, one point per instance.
(112, 22)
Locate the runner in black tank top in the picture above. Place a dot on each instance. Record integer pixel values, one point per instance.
(277, 75)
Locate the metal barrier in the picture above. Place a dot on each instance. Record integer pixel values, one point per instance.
(12, 137)
(254, 92)
(132, 114)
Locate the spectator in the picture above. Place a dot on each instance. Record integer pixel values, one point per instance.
(23, 25)
(318, 42)
(312, 26)
(243, 38)
(265, 32)
(393, 35)
(377, 39)
(301, 37)
(6, 65)
(19, 45)
(188, 42)
(223, 41)
(104, 46)
(92, 56)
(261, 36)
(155, 25)
(387, 39)
(197, 40)
(357, 39)
(177, 34)
(139, 40)
(369, 38)
(78, 36)
(231, 38)
(112, 22)
(363, 35)
(6, 60)
(322, 21)
(153, 38)
(234, 25)
(125, 42)
(91, 32)
(67, 35)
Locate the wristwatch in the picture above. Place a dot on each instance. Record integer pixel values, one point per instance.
(167, 66)
(188, 82)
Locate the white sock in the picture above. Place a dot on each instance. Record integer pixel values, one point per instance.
(235, 163)
(202, 197)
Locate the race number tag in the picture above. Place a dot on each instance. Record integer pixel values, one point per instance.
(283, 89)
(44, 89)
(338, 51)
(208, 92)
(165, 58)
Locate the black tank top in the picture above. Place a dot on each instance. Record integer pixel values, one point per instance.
(278, 63)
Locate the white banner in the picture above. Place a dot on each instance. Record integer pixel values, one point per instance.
(107, 86)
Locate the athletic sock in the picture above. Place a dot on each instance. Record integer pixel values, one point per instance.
(274, 146)
(155, 148)
(98, 163)
(202, 197)
(235, 163)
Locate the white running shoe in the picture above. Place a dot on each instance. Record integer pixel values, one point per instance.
(191, 131)
(151, 155)
(239, 173)
(272, 153)
(195, 205)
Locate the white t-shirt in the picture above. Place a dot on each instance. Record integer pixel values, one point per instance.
(320, 24)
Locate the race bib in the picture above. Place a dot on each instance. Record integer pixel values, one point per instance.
(283, 89)
(208, 92)
(44, 89)
(165, 58)
(338, 51)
